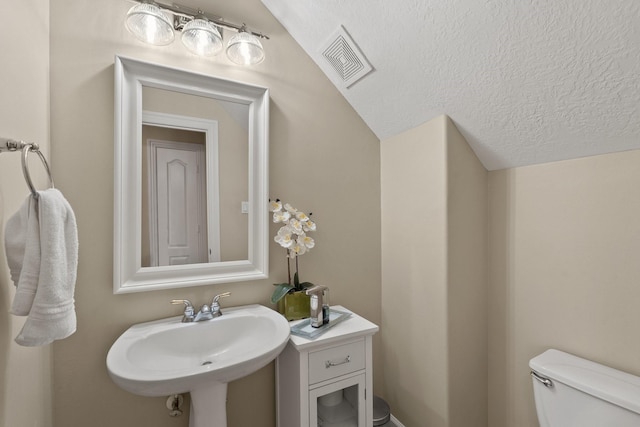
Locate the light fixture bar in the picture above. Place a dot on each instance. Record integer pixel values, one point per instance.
(187, 12)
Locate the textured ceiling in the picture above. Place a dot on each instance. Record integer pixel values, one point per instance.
(525, 81)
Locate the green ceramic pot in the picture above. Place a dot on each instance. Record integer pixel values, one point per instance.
(295, 306)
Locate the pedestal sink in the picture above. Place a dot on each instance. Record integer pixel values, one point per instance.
(166, 357)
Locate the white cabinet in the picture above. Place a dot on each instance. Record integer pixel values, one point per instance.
(327, 381)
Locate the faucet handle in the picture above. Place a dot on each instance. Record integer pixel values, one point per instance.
(215, 306)
(186, 302)
(188, 309)
(217, 297)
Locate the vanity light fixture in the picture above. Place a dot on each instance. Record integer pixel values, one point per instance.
(150, 22)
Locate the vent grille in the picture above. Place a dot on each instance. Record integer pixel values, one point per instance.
(346, 59)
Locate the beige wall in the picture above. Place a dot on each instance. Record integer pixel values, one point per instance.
(25, 372)
(467, 243)
(414, 295)
(434, 333)
(323, 159)
(563, 272)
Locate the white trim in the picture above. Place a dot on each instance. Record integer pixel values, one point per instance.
(396, 422)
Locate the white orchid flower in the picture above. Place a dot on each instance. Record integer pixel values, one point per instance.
(309, 225)
(301, 216)
(307, 241)
(290, 208)
(295, 225)
(275, 205)
(281, 216)
(298, 248)
(284, 237)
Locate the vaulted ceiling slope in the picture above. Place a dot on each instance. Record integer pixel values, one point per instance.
(525, 81)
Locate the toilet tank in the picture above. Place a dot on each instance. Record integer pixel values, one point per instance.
(573, 392)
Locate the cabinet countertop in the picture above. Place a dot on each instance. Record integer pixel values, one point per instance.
(349, 328)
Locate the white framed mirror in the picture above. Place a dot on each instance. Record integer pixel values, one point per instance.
(191, 178)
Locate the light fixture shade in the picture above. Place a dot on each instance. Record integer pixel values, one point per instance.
(147, 22)
(202, 37)
(245, 49)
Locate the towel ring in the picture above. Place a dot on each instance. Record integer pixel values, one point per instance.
(25, 166)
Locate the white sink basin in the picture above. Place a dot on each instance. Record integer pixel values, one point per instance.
(166, 356)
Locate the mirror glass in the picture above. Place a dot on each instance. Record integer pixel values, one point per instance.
(191, 179)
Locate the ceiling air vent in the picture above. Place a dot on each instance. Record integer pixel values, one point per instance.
(346, 59)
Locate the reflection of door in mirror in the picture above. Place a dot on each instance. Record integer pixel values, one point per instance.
(221, 127)
(177, 195)
(174, 219)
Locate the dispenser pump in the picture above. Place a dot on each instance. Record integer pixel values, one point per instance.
(317, 304)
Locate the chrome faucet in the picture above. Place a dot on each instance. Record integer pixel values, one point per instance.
(206, 312)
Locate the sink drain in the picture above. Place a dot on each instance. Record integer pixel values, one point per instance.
(206, 363)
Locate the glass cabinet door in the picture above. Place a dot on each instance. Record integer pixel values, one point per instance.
(338, 404)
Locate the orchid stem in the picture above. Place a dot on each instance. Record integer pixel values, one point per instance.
(289, 267)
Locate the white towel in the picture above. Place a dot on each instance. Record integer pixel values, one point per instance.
(22, 246)
(52, 313)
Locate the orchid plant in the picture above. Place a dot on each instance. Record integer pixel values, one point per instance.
(293, 237)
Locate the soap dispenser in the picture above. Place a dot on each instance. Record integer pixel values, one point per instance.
(317, 313)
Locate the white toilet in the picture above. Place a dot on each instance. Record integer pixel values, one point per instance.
(574, 392)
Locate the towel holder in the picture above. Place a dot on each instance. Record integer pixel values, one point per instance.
(8, 144)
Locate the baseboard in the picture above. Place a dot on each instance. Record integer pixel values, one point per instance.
(396, 422)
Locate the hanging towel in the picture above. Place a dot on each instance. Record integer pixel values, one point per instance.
(22, 246)
(52, 313)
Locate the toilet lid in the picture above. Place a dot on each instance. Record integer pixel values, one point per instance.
(381, 411)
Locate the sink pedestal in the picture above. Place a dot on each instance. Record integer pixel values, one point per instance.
(209, 405)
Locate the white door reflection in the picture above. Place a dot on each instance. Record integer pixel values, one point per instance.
(179, 187)
(177, 200)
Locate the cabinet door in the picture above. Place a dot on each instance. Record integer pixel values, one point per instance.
(340, 403)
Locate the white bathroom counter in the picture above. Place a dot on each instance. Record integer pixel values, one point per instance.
(353, 326)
